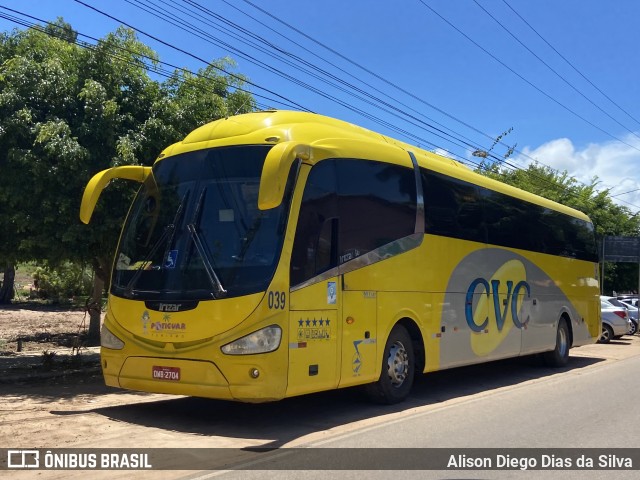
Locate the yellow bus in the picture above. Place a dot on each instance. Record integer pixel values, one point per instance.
(281, 253)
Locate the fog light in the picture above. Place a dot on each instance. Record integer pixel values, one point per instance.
(254, 373)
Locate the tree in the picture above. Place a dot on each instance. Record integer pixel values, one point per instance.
(67, 112)
(608, 217)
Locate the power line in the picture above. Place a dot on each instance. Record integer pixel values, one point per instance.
(404, 132)
(360, 111)
(331, 79)
(149, 68)
(571, 64)
(270, 68)
(552, 69)
(620, 194)
(358, 79)
(524, 79)
(404, 91)
(367, 70)
(365, 114)
(167, 44)
(388, 124)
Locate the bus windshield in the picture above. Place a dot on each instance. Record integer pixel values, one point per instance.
(195, 230)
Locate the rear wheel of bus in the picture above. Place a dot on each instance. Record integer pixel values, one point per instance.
(398, 369)
(559, 356)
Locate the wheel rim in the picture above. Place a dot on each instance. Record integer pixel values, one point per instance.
(563, 343)
(605, 335)
(398, 364)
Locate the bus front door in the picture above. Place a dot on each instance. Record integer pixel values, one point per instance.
(313, 338)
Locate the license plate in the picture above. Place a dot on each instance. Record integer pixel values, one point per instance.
(166, 373)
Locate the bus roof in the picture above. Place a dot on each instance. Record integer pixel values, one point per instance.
(275, 126)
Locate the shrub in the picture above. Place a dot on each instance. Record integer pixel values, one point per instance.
(61, 282)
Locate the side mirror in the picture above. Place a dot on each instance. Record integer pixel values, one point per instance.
(100, 180)
(276, 171)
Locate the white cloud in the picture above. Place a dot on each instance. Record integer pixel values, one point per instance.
(616, 165)
(444, 153)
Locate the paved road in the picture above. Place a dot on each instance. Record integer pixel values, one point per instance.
(588, 406)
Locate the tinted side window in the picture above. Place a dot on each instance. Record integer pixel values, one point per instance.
(580, 238)
(458, 209)
(511, 222)
(553, 232)
(452, 207)
(349, 208)
(377, 203)
(518, 224)
(316, 231)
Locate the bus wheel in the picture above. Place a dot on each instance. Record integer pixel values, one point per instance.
(559, 356)
(398, 369)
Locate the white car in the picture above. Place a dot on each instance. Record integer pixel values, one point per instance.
(632, 305)
(615, 321)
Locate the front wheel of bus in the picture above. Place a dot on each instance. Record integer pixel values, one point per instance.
(398, 369)
(559, 356)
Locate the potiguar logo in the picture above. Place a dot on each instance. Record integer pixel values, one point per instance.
(499, 307)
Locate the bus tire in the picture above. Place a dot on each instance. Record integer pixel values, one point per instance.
(398, 369)
(559, 356)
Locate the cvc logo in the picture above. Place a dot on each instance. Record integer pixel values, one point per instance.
(510, 303)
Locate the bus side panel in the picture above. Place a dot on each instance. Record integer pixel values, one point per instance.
(359, 338)
(417, 307)
(415, 281)
(529, 302)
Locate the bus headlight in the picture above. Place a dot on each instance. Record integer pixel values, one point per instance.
(109, 340)
(262, 341)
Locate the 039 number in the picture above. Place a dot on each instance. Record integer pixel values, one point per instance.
(277, 300)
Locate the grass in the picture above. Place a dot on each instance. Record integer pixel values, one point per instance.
(23, 279)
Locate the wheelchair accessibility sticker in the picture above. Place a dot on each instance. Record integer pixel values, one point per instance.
(170, 261)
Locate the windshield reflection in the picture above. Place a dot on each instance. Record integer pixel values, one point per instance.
(195, 230)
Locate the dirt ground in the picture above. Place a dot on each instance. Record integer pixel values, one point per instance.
(33, 327)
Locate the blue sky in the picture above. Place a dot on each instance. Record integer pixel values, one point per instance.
(413, 60)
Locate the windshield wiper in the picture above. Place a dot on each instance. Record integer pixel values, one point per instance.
(211, 273)
(176, 220)
(147, 259)
(168, 232)
(202, 251)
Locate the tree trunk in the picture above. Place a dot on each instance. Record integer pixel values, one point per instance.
(94, 305)
(7, 289)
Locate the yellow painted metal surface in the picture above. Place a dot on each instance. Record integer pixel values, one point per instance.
(100, 180)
